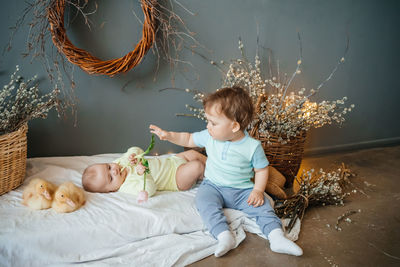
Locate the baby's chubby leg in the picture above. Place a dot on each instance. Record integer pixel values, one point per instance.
(210, 203)
(192, 155)
(187, 174)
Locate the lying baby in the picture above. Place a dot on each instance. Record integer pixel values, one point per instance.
(174, 173)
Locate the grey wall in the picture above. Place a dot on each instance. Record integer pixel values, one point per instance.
(110, 119)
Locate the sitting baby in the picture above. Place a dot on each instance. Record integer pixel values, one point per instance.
(174, 173)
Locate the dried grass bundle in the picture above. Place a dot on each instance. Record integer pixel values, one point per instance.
(316, 189)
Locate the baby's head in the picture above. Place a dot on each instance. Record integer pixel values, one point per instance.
(231, 103)
(103, 177)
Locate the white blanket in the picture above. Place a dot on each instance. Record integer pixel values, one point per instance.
(110, 229)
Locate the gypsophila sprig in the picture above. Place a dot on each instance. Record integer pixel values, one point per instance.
(21, 101)
(316, 189)
(280, 110)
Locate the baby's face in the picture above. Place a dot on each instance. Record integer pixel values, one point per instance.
(109, 177)
(219, 126)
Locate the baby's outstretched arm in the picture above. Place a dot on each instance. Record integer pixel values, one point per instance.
(177, 138)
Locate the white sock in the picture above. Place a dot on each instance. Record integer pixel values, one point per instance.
(280, 244)
(226, 242)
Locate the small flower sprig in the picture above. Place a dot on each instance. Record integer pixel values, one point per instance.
(345, 217)
(21, 101)
(142, 168)
(316, 189)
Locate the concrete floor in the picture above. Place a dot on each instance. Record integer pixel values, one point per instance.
(371, 239)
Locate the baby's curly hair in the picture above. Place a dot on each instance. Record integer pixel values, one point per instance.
(234, 102)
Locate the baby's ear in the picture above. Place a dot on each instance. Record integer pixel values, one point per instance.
(236, 127)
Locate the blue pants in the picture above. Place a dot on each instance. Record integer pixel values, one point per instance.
(211, 199)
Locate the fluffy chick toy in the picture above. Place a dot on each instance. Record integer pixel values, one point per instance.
(38, 194)
(68, 198)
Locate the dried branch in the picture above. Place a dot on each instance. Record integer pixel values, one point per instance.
(345, 217)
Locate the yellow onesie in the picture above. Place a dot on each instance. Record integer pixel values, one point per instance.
(161, 177)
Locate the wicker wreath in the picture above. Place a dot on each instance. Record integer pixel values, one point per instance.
(91, 64)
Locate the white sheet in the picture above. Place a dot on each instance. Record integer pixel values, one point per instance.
(110, 229)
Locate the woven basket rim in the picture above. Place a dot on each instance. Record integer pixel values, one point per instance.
(274, 135)
(22, 128)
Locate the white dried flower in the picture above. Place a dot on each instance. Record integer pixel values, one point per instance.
(17, 108)
(284, 113)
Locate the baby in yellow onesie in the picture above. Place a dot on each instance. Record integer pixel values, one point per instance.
(167, 173)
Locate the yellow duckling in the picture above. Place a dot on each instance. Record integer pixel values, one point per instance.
(38, 194)
(68, 198)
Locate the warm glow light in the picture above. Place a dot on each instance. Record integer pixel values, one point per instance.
(308, 107)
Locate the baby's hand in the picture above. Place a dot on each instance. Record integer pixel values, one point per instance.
(159, 132)
(140, 169)
(132, 159)
(256, 198)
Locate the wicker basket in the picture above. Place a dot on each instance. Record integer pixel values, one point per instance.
(13, 149)
(286, 158)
